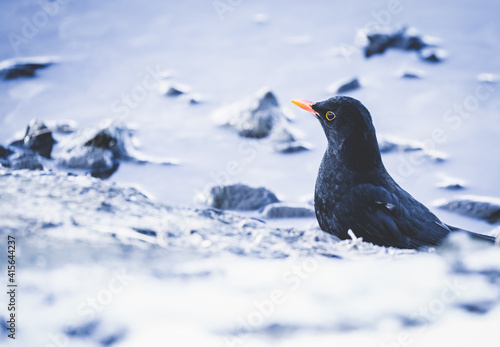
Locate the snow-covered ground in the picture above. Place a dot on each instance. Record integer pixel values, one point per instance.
(116, 59)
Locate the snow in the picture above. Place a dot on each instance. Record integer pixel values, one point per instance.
(114, 61)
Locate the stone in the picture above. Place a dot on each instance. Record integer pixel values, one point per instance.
(28, 161)
(5, 152)
(240, 197)
(433, 55)
(99, 161)
(24, 67)
(401, 38)
(411, 74)
(282, 210)
(451, 183)
(254, 118)
(38, 138)
(293, 147)
(481, 207)
(343, 87)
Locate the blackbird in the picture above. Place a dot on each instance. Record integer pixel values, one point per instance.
(355, 191)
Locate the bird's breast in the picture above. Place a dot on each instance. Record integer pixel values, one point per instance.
(332, 188)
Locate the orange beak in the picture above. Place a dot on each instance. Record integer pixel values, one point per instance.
(304, 104)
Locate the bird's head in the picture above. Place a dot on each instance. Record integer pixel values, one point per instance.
(340, 117)
(348, 127)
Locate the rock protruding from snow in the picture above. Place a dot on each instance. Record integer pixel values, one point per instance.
(99, 161)
(97, 150)
(381, 39)
(26, 161)
(391, 144)
(411, 74)
(283, 210)
(344, 86)
(100, 150)
(402, 38)
(254, 118)
(259, 118)
(24, 67)
(451, 183)
(173, 89)
(480, 207)
(433, 55)
(262, 117)
(38, 138)
(5, 152)
(292, 147)
(240, 197)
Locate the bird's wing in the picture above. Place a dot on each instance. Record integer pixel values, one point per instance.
(394, 218)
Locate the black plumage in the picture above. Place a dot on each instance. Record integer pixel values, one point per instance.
(355, 191)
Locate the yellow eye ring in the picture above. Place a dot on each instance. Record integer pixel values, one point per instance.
(330, 115)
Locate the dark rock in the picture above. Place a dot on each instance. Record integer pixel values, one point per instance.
(112, 339)
(389, 144)
(411, 74)
(64, 128)
(451, 184)
(480, 207)
(173, 91)
(5, 152)
(101, 149)
(256, 118)
(195, 99)
(29, 161)
(433, 55)
(478, 307)
(379, 42)
(281, 210)
(105, 140)
(84, 330)
(96, 159)
(23, 67)
(348, 86)
(149, 232)
(98, 150)
(105, 173)
(240, 197)
(293, 147)
(38, 138)
(259, 122)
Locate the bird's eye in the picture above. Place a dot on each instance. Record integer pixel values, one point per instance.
(330, 115)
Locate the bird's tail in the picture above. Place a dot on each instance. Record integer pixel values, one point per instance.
(476, 236)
